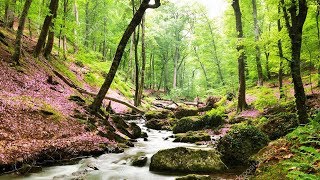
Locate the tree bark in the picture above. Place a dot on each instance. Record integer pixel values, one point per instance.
(241, 59)
(295, 33)
(45, 28)
(280, 78)
(257, 37)
(86, 35)
(143, 55)
(121, 47)
(17, 47)
(50, 40)
(76, 18)
(202, 66)
(9, 13)
(318, 33)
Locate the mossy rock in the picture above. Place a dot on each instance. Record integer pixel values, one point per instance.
(185, 124)
(158, 124)
(240, 143)
(279, 125)
(158, 114)
(181, 112)
(194, 177)
(188, 160)
(192, 137)
(135, 130)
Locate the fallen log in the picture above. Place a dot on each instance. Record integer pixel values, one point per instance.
(83, 91)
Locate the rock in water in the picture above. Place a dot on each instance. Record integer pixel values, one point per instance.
(140, 161)
(183, 159)
(194, 177)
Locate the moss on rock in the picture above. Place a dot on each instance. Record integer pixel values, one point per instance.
(192, 137)
(240, 143)
(279, 125)
(158, 114)
(183, 159)
(158, 124)
(194, 177)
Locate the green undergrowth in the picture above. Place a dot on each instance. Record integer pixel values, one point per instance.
(296, 156)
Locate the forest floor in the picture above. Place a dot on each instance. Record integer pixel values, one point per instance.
(36, 115)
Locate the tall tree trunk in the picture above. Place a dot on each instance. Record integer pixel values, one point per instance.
(95, 106)
(104, 46)
(143, 56)
(280, 78)
(136, 63)
(257, 37)
(17, 47)
(76, 18)
(241, 59)
(295, 33)
(29, 27)
(45, 27)
(215, 53)
(202, 66)
(50, 41)
(9, 13)
(267, 53)
(65, 14)
(86, 35)
(318, 33)
(175, 68)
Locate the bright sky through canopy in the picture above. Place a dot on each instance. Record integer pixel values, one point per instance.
(215, 7)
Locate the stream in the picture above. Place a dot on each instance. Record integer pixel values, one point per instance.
(118, 166)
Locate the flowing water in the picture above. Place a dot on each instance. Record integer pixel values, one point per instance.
(118, 166)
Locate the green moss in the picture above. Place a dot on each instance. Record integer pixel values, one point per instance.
(183, 159)
(63, 68)
(192, 137)
(240, 143)
(55, 115)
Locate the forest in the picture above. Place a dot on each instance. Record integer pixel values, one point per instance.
(160, 89)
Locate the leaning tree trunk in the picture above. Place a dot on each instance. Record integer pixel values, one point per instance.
(17, 47)
(241, 59)
(95, 106)
(45, 28)
(257, 37)
(295, 33)
(50, 41)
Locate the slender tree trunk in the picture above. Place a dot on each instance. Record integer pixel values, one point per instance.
(136, 62)
(202, 66)
(143, 55)
(257, 37)
(295, 33)
(215, 53)
(86, 35)
(9, 13)
(65, 14)
(175, 69)
(29, 27)
(280, 55)
(318, 33)
(17, 47)
(50, 41)
(153, 74)
(267, 53)
(45, 28)
(104, 46)
(95, 106)
(241, 59)
(76, 17)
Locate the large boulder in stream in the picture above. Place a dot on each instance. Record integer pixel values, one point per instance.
(188, 160)
(240, 143)
(192, 137)
(158, 124)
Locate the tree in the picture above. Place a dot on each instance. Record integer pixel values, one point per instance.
(45, 27)
(143, 55)
(241, 58)
(280, 54)
(9, 13)
(95, 106)
(294, 23)
(17, 46)
(257, 37)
